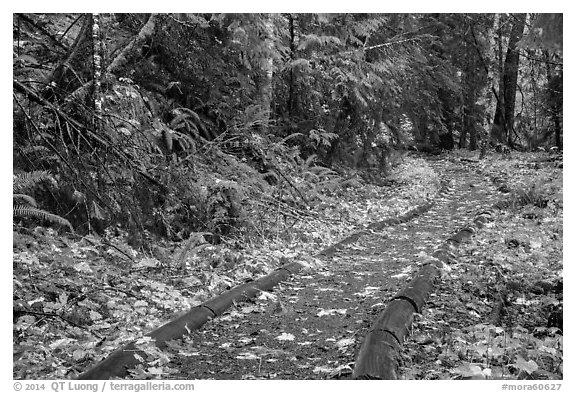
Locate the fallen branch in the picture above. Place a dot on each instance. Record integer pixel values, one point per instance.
(275, 169)
(35, 24)
(20, 87)
(52, 315)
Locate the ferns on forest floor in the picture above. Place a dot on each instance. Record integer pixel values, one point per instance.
(28, 181)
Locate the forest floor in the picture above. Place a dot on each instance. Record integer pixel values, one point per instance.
(82, 298)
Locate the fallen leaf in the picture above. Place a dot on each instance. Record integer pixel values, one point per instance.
(147, 262)
(83, 267)
(78, 354)
(367, 291)
(344, 343)
(285, 337)
(322, 369)
(529, 366)
(247, 356)
(331, 312)
(95, 316)
(264, 295)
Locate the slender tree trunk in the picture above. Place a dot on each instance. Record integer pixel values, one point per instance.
(555, 98)
(511, 73)
(97, 56)
(126, 55)
(468, 114)
(265, 89)
(473, 136)
(475, 91)
(498, 131)
(291, 95)
(421, 135)
(462, 140)
(472, 82)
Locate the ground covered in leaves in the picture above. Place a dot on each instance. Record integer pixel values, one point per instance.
(77, 299)
(497, 313)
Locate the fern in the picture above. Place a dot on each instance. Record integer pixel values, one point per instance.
(186, 142)
(321, 171)
(26, 181)
(314, 41)
(309, 162)
(302, 64)
(369, 26)
(26, 198)
(190, 121)
(321, 137)
(224, 205)
(29, 211)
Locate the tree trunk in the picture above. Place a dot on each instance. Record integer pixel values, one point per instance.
(97, 56)
(504, 116)
(555, 98)
(558, 132)
(463, 135)
(470, 109)
(421, 129)
(511, 74)
(498, 131)
(291, 87)
(265, 88)
(473, 137)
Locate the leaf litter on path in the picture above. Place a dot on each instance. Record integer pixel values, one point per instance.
(361, 272)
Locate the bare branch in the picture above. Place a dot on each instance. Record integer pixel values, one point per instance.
(34, 24)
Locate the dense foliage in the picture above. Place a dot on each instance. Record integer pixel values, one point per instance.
(153, 132)
(182, 154)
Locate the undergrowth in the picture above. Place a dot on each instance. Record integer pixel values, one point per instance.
(76, 299)
(25, 206)
(497, 313)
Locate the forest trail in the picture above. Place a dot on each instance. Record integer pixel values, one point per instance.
(167, 168)
(312, 326)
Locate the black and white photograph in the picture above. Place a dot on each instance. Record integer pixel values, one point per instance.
(287, 196)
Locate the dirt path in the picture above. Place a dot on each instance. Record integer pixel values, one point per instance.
(312, 326)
